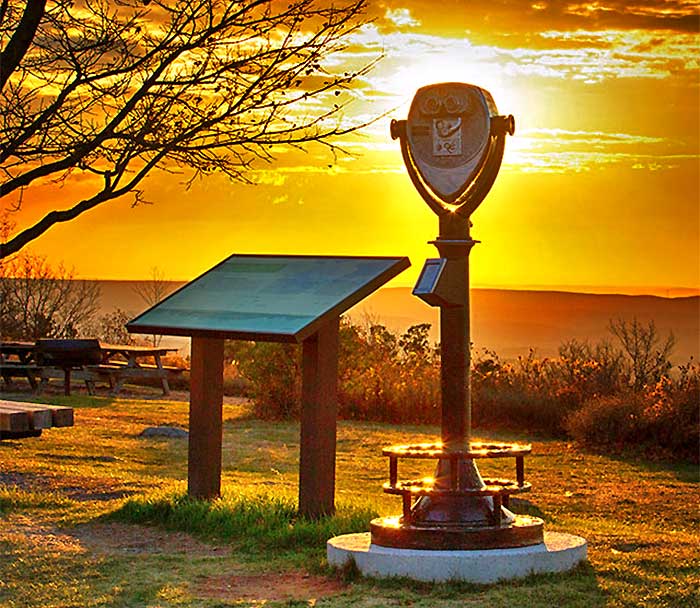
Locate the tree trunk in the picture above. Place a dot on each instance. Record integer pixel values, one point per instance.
(21, 40)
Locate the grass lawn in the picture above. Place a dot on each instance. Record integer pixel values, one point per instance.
(69, 500)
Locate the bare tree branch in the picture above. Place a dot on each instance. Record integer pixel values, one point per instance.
(119, 89)
(22, 38)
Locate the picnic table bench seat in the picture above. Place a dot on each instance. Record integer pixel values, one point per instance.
(19, 419)
(116, 372)
(16, 369)
(123, 365)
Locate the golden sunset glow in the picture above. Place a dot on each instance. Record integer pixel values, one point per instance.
(599, 186)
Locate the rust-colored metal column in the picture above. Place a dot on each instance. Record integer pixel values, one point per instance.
(319, 395)
(206, 401)
(454, 245)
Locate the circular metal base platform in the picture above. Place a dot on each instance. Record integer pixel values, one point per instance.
(558, 553)
(521, 532)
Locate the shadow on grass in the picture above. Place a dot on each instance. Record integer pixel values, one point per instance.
(522, 506)
(683, 470)
(75, 401)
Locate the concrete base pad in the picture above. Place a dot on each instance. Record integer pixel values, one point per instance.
(558, 553)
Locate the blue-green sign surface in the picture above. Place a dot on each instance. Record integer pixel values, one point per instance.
(263, 297)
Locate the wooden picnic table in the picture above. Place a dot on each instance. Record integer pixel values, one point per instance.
(114, 363)
(123, 361)
(17, 359)
(132, 352)
(24, 351)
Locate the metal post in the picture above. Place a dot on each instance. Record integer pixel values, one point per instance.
(454, 244)
(206, 402)
(452, 144)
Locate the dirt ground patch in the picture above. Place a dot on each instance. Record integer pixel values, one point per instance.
(36, 536)
(237, 585)
(267, 586)
(106, 538)
(78, 488)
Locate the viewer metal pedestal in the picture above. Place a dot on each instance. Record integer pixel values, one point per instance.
(455, 525)
(457, 509)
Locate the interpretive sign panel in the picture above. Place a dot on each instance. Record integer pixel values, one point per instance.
(268, 297)
(275, 298)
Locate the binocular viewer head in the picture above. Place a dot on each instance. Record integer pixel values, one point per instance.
(452, 140)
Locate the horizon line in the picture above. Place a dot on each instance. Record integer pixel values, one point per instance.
(651, 290)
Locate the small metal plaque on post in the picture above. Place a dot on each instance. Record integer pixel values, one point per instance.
(429, 276)
(433, 286)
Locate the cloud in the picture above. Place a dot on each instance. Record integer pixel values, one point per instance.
(545, 151)
(401, 17)
(566, 137)
(279, 200)
(649, 14)
(516, 16)
(585, 55)
(560, 151)
(578, 162)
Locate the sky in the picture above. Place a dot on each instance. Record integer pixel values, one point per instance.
(599, 189)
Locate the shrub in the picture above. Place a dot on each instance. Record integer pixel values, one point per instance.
(234, 383)
(274, 373)
(647, 355)
(590, 392)
(111, 327)
(662, 420)
(381, 376)
(387, 377)
(38, 300)
(592, 370)
(530, 393)
(607, 420)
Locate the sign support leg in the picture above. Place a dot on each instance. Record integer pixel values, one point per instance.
(318, 421)
(206, 402)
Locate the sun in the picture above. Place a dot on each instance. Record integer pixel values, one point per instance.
(411, 59)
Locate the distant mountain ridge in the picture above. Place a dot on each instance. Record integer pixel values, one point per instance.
(510, 322)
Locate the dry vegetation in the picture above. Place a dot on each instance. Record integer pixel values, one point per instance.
(624, 395)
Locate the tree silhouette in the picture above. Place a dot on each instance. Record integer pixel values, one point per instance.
(120, 88)
(38, 300)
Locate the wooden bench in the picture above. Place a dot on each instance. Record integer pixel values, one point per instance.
(15, 369)
(19, 419)
(116, 372)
